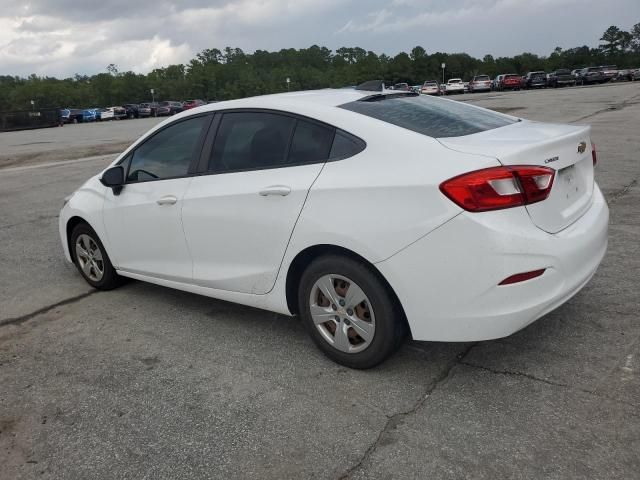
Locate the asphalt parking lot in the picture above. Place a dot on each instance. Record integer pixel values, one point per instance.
(147, 382)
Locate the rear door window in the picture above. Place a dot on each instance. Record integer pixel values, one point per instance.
(251, 140)
(311, 143)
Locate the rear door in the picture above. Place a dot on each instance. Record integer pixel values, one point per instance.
(239, 214)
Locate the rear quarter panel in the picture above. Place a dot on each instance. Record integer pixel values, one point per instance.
(386, 197)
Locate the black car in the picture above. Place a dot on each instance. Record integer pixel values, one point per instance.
(560, 78)
(591, 75)
(132, 110)
(535, 80)
(168, 108)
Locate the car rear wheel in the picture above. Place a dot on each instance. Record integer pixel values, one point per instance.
(349, 312)
(92, 260)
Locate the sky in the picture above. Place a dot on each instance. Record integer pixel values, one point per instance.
(63, 37)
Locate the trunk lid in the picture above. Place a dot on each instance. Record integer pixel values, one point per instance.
(564, 148)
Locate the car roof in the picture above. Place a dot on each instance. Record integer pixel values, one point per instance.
(317, 98)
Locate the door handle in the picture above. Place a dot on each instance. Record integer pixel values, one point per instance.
(167, 200)
(281, 190)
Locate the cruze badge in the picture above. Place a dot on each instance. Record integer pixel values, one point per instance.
(582, 146)
(552, 159)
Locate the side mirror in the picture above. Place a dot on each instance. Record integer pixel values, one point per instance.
(114, 179)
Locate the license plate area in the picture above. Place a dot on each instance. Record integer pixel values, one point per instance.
(568, 179)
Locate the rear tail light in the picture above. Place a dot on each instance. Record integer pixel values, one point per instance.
(499, 187)
(593, 154)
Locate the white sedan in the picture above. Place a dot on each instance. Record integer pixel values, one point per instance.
(455, 85)
(371, 214)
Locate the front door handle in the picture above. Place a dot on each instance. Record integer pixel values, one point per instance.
(167, 200)
(281, 190)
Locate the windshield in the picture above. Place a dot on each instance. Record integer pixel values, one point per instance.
(429, 116)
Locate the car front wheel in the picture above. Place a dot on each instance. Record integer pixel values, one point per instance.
(349, 312)
(92, 260)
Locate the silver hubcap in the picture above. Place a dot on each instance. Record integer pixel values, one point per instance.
(89, 257)
(342, 313)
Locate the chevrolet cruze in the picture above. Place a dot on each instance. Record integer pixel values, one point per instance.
(371, 214)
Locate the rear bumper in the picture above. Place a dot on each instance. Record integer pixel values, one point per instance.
(447, 281)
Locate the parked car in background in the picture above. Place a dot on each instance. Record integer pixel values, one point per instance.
(71, 115)
(167, 108)
(403, 87)
(187, 104)
(430, 87)
(119, 113)
(561, 78)
(591, 75)
(106, 114)
(575, 73)
(454, 85)
(510, 81)
(466, 86)
(636, 74)
(132, 110)
(495, 84)
(610, 72)
(90, 115)
(537, 79)
(625, 75)
(144, 110)
(480, 83)
(65, 115)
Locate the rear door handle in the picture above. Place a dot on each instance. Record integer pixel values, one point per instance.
(281, 190)
(167, 200)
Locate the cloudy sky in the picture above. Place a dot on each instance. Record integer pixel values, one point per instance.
(63, 37)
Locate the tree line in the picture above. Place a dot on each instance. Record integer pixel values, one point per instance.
(231, 73)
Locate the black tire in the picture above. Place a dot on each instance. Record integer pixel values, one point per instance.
(110, 279)
(390, 324)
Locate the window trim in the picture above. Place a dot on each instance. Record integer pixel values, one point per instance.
(193, 163)
(203, 164)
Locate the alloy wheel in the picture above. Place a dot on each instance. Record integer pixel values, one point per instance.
(342, 313)
(89, 257)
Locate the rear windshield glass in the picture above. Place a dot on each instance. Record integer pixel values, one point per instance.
(429, 116)
(482, 78)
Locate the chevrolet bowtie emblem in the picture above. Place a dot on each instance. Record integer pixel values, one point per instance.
(582, 146)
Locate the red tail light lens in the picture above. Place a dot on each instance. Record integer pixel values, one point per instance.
(499, 187)
(593, 154)
(522, 277)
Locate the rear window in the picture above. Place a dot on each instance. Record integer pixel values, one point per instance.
(429, 116)
(482, 78)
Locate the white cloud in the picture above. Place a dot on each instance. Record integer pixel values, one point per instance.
(63, 37)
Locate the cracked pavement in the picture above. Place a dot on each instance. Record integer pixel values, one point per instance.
(146, 382)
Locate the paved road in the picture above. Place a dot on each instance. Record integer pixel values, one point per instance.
(145, 382)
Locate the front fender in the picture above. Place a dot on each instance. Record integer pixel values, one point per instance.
(85, 203)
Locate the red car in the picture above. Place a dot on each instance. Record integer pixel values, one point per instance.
(187, 104)
(510, 82)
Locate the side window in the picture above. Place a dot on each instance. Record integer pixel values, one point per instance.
(311, 143)
(345, 145)
(168, 153)
(251, 140)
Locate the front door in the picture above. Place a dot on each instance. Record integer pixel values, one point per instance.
(143, 222)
